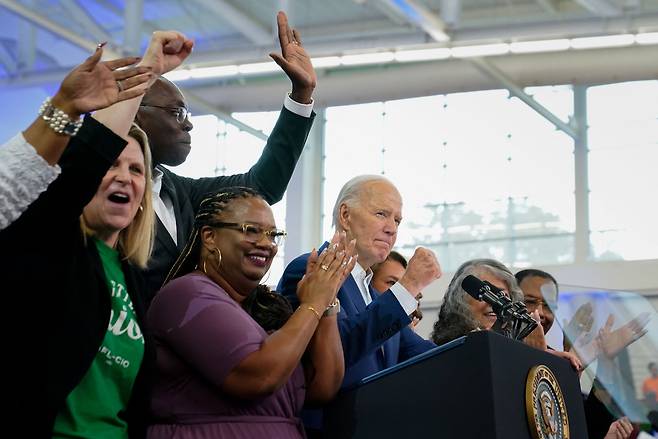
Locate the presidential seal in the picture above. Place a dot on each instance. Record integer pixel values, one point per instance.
(544, 405)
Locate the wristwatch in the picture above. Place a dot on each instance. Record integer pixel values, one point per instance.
(332, 309)
(59, 121)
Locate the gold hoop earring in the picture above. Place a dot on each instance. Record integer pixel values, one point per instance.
(219, 257)
(203, 267)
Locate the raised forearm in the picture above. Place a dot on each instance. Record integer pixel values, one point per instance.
(119, 117)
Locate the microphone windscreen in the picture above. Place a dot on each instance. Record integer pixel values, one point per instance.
(472, 285)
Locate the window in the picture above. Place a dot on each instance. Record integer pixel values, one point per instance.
(623, 143)
(481, 175)
(219, 148)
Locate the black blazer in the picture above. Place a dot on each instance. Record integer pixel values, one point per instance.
(62, 282)
(270, 176)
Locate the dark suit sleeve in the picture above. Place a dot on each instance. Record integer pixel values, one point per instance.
(272, 172)
(365, 332)
(291, 276)
(84, 163)
(412, 344)
(361, 333)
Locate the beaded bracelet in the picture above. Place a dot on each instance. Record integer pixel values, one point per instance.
(57, 120)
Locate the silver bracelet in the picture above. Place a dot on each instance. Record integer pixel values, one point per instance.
(332, 309)
(59, 121)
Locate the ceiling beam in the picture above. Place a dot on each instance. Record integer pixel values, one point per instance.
(205, 107)
(88, 24)
(602, 8)
(392, 14)
(548, 6)
(133, 18)
(241, 22)
(451, 12)
(493, 72)
(26, 46)
(49, 25)
(146, 26)
(420, 16)
(375, 83)
(7, 60)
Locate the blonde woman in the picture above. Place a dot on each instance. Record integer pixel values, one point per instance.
(75, 254)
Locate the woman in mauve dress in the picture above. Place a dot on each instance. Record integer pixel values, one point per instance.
(233, 359)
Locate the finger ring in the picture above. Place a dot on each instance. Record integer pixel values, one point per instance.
(324, 267)
(295, 42)
(120, 86)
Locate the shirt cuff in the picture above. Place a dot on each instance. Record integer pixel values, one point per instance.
(303, 110)
(407, 301)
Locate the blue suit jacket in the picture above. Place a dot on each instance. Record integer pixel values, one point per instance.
(363, 330)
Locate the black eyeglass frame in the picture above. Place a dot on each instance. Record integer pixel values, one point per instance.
(276, 236)
(182, 113)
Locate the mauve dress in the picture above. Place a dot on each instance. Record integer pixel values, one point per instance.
(200, 335)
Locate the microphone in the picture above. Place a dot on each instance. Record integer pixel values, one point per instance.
(506, 310)
(485, 292)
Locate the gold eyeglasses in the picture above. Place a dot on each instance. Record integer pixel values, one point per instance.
(254, 233)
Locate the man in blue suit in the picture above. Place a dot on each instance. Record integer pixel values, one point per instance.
(373, 328)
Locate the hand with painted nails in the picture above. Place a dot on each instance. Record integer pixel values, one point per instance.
(326, 272)
(93, 84)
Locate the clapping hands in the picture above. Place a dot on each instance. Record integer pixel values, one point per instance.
(326, 272)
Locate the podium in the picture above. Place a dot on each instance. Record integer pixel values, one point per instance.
(472, 387)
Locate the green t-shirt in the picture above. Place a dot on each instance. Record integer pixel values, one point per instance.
(92, 408)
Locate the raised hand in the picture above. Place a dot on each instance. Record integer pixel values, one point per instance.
(581, 323)
(294, 61)
(166, 51)
(611, 342)
(423, 269)
(93, 84)
(325, 273)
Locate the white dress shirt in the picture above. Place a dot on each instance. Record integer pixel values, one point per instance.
(363, 278)
(163, 206)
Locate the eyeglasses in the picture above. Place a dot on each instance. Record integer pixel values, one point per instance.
(533, 304)
(181, 113)
(253, 233)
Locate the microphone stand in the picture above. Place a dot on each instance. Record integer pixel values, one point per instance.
(513, 319)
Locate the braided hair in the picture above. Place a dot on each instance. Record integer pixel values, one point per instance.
(268, 309)
(211, 206)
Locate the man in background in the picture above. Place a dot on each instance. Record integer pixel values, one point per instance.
(164, 116)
